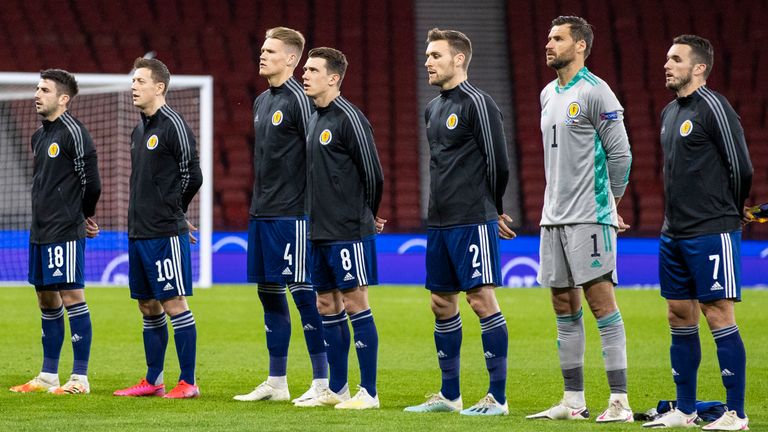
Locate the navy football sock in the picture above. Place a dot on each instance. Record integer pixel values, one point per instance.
(495, 345)
(685, 353)
(82, 333)
(277, 324)
(733, 366)
(306, 302)
(185, 336)
(155, 343)
(337, 340)
(53, 338)
(448, 336)
(367, 347)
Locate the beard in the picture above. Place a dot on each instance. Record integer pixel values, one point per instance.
(561, 61)
(680, 83)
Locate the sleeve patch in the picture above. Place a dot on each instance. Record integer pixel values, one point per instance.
(610, 116)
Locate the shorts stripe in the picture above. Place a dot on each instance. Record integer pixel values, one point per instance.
(296, 241)
(728, 273)
(301, 251)
(485, 258)
(362, 277)
(176, 255)
(68, 261)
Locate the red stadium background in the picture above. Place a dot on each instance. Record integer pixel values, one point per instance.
(223, 39)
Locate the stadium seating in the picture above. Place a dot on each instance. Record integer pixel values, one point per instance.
(629, 52)
(223, 39)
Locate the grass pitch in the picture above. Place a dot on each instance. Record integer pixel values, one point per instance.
(232, 359)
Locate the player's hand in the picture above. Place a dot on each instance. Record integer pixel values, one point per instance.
(505, 227)
(380, 224)
(622, 226)
(192, 229)
(747, 216)
(91, 228)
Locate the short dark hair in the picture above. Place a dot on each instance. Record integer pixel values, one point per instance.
(458, 41)
(580, 30)
(159, 71)
(702, 50)
(65, 81)
(336, 61)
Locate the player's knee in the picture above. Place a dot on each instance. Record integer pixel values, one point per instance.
(71, 297)
(328, 303)
(483, 302)
(719, 314)
(48, 299)
(175, 305)
(682, 314)
(150, 307)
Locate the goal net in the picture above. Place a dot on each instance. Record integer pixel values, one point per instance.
(105, 107)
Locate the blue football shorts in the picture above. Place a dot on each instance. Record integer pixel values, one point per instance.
(705, 268)
(463, 257)
(278, 250)
(159, 268)
(57, 266)
(344, 265)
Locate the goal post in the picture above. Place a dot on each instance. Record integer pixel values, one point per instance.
(105, 107)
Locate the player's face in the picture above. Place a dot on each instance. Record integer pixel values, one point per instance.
(144, 89)
(317, 79)
(47, 98)
(440, 64)
(274, 58)
(561, 48)
(678, 69)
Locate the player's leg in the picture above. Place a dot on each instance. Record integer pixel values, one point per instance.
(718, 279)
(443, 286)
(171, 279)
(475, 254)
(264, 267)
(73, 297)
(555, 272)
(52, 309)
(337, 339)
(732, 358)
(297, 258)
(52, 323)
(336, 333)
(155, 328)
(277, 324)
(678, 288)
(305, 299)
(590, 251)
(358, 260)
(270, 251)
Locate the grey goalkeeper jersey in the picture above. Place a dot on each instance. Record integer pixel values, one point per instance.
(586, 151)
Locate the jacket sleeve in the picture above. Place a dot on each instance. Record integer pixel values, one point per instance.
(88, 170)
(607, 116)
(303, 110)
(728, 136)
(184, 147)
(80, 146)
(488, 130)
(359, 140)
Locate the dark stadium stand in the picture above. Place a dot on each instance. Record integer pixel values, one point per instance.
(223, 39)
(631, 42)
